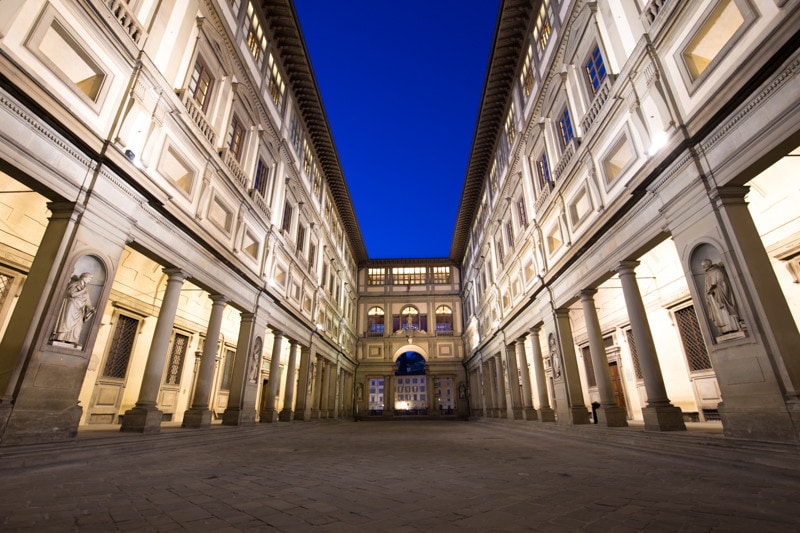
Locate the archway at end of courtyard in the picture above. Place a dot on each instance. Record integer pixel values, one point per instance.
(411, 387)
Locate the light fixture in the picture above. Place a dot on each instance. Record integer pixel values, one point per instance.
(130, 155)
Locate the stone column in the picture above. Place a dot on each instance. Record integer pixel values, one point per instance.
(546, 413)
(316, 395)
(571, 377)
(490, 390)
(199, 415)
(287, 414)
(333, 383)
(388, 396)
(499, 382)
(305, 385)
(270, 413)
(609, 414)
(526, 402)
(659, 413)
(513, 397)
(144, 417)
(324, 380)
(433, 402)
(241, 410)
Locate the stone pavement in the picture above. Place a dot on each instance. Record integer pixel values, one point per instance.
(408, 476)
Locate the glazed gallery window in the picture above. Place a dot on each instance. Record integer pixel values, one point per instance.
(509, 126)
(595, 69)
(256, 39)
(408, 275)
(277, 89)
(716, 34)
(235, 137)
(526, 76)
(201, 84)
(119, 352)
(441, 274)
(544, 24)
(376, 276)
(565, 129)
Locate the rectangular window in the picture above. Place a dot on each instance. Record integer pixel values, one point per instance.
(286, 224)
(200, 84)
(565, 129)
(712, 37)
(261, 178)
(176, 357)
(256, 39)
(543, 172)
(301, 237)
(544, 24)
(501, 253)
(522, 213)
(227, 370)
(236, 137)
(509, 127)
(526, 76)
(308, 158)
(119, 352)
(296, 133)
(637, 368)
(595, 69)
(441, 274)
(277, 89)
(312, 255)
(510, 233)
(376, 276)
(693, 344)
(408, 275)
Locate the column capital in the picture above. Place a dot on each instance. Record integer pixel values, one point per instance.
(175, 274)
(731, 194)
(534, 331)
(587, 294)
(626, 267)
(219, 298)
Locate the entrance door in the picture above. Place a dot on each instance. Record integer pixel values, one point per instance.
(170, 390)
(110, 385)
(617, 386)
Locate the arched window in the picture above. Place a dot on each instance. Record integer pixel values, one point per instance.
(410, 318)
(375, 321)
(444, 319)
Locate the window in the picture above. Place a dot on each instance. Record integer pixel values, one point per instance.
(301, 237)
(526, 76)
(296, 133)
(376, 276)
(522, 213)
(693, 344)
(444, 318)
(717, 32)
(227, 370)
(410, 317)
(375, 322)
(637, 367)
(509, 127)
(544, 24)
(312, 254)
(618, 158)
(119, 352)
(286, 224)
(595, 69)
(565, 128)
(317, 181)
(441, 274)
(408, 275)
(510, 233)
(236, 137)
(261, 178)
(308, 158)
(277, 89)
(175, 360)
(256, 40)
(543, 172)
(200, 84)
(501, 253)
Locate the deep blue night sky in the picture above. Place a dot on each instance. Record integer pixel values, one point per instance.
(401, 83)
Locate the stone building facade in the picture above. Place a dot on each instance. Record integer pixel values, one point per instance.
(178, 241)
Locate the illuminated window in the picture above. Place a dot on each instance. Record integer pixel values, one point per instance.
(408, 275)
(236, 137)
(544, 24)
(526, 76)
(296, 133)
(509, 127)
(201, 84)
(256, 39)
(441, 274)
(277, 89)
(308, 158)
(376, 276)
(617, 159)
(444, 318)
(595, 69)
(565, 129)
(375, 323)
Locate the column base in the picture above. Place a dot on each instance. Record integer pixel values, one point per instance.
(516, 413)
(196, 418)
(579, 415)
(233, 416)
(611, 417)
(287, 415)
(142, 420)
(546, 414)
(529, 414)
(665, 418)
(36, 426)
(268, 416)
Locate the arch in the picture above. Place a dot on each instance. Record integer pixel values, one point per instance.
(411, 348)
